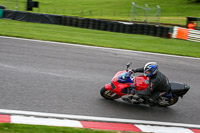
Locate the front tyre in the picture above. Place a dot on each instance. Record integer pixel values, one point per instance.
(164, 102)
(108, 94)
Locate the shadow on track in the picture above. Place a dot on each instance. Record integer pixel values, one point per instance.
(135, 111)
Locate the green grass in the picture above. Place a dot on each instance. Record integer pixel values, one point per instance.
(19, 128)
(98, 38)
(113, 9)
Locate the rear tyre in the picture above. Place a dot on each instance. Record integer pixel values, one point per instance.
(107, 94)
(167, 102)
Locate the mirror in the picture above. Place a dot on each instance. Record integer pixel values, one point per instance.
(128, 65)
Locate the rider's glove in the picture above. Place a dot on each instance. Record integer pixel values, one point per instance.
(133, 70)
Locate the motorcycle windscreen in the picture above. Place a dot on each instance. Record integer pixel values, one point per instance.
(124, 78)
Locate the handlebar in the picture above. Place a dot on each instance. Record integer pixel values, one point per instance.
(132, 74)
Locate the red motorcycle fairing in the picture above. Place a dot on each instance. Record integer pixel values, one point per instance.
(140, 82)
(108, 87)
(117, 87)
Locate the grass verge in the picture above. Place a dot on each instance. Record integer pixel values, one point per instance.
(113, 9)
(20, 128)
(98, 38)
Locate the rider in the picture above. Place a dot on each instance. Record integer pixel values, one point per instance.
(158, 83)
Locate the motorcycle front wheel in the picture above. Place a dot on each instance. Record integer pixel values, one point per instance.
(107, 94)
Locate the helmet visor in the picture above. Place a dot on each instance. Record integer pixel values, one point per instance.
(146, 73)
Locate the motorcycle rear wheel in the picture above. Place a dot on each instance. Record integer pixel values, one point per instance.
(107, 94)
(169, 103)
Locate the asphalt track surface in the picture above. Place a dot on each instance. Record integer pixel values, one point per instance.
(66, 79)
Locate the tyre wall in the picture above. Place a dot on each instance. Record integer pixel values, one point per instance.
(96, 24)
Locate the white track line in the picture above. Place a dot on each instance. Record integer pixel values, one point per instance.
(91, 118)
(85, 46)
(44, 121)
(161, 129)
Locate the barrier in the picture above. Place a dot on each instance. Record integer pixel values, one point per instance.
(80, 23)
(165, 32)
(152, 30)
(128, 28)
(115, 27)
(110, 26)
(146, 30)
(134, 28)
(122, 27)
(74, 21)
(140, 29)
(159, 31)
(186, 34)
(86, 23)
(32, 17)
(67, 21)
(91, 23)
(103, 24)
(97, 24)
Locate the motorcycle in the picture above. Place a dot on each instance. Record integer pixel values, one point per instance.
(123, 81)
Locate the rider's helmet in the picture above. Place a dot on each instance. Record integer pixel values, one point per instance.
(150, 69)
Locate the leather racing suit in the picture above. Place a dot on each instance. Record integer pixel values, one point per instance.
(158, 84)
